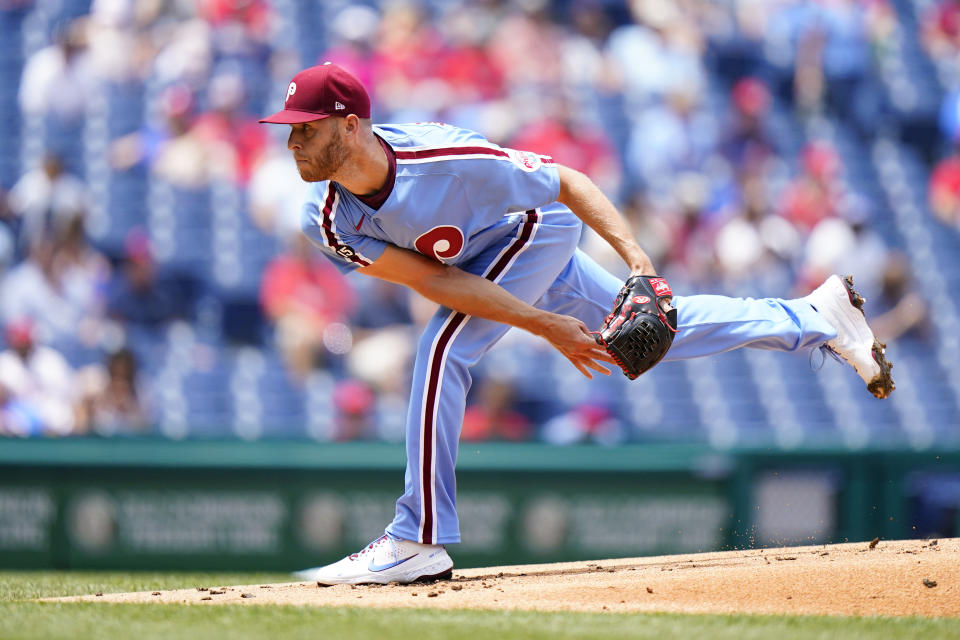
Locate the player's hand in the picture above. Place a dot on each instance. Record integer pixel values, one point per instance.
(572, 338)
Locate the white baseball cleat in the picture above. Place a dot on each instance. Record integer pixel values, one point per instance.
(837, 301)
(386, 559)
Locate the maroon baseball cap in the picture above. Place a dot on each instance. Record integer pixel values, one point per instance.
(320, 92)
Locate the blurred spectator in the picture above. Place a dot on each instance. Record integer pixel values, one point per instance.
(276, 192)
(138, 294)
(308, 300)
(587, 422)
(845, 244)
(882, 28)
(176, 152)
(587, 73)
(40, 382)
(834, 59)
(228, 128)
(813, 195)
(940, 29)
(944, 189)
(250, 17)
(185, 53)
(57, 88)
(113, 397)
(466, 66)
(117, 51)
(34, 290)
(648, 224)
(355, 405)
(901, 310)
(691, 230)
(571, 141)
(677, 136)
(407, 48)
(755, 242)
(492, 415)
(658, 55)
(383, 338)
(17, 417)
(45, 196)
(84, 272)
(353, 37)
(392, 308)
(57, 81)
(745, 143)
(523, 45)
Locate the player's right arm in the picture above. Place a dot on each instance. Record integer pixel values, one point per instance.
(475, 296)
(588, 202)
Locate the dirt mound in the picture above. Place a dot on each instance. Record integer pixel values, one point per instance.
(895, 578)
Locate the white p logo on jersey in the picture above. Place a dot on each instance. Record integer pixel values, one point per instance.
(292, 89)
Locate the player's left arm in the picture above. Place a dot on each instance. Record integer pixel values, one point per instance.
(587, 201)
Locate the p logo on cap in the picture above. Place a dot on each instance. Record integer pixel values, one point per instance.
(320, 92)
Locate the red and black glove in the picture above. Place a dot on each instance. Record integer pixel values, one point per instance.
(640, 329)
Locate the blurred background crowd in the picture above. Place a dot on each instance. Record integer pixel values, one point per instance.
(154, 280)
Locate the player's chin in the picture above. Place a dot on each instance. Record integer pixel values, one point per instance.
(308, 175)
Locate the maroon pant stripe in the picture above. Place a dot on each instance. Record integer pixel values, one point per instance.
(433, 379)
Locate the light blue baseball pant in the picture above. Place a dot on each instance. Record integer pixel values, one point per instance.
(541, 265)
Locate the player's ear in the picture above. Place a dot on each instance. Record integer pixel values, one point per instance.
(351, 124)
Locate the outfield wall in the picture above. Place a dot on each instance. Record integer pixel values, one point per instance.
(157, 504)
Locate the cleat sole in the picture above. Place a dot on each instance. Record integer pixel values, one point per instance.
(882, 384)
(443, 575)
(856, 299)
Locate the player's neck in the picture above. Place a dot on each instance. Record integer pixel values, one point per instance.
(366, 171)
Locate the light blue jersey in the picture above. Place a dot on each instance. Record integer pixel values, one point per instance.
(453, 196)
(493, 212)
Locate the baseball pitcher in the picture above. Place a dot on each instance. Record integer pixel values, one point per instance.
(491, 235)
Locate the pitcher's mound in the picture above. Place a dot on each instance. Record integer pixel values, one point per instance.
(896, 578)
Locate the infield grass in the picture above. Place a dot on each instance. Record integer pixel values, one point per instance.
(20, 618)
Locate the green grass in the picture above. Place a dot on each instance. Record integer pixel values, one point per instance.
(21, 619)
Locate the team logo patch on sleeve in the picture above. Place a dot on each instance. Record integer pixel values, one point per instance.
(526, 160)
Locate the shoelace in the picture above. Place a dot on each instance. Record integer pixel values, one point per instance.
(825, 351)
(370, 547)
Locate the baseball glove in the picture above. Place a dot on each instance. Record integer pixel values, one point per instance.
(640, 329)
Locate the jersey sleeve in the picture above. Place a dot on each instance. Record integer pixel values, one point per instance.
(347, 249)
(516, 180)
